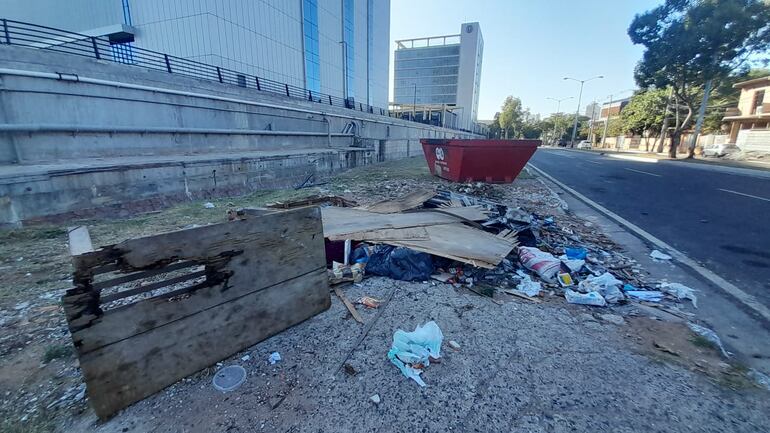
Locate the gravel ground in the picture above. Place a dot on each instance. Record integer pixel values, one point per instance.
(522, 366)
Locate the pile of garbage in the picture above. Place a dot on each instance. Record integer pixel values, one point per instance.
(540, 256)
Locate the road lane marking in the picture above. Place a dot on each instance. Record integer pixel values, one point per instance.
(744, 194)
(748, 300)
(644, 172)
(562, 155)
(594, 162)
(632, 158)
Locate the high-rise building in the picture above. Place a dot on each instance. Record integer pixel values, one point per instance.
(441, 71)
(337, 47)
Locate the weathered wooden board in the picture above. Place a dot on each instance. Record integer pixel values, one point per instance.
(405, 202)
(409, 233)
(262, 275)
(463, 243)
(339, 221)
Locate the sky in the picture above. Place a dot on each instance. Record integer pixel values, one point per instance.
(531, 45)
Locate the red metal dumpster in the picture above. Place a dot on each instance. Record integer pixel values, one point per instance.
(493, 161)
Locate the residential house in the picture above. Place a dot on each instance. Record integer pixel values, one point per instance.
(750, 121)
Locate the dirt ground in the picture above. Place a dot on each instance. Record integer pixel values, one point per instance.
(523, 366)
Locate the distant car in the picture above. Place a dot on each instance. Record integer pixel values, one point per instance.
(721, 149)
(585, 144)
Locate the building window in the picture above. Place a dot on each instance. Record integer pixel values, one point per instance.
(348, 41)
(310, 33)
(756, 107)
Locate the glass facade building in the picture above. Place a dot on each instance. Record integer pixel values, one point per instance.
(441, 71)
(310, 32)
(336, 47)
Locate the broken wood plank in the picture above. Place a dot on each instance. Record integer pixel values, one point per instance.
(409, 201)
(342, 221)
(150, 287)
(143, 274)
(134, 350)
(409, 233)
(348, 305)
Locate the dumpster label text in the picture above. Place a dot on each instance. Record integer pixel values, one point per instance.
(439, 154)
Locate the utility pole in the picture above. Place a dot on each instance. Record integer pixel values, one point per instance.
(699, 122)
(607, 122)
(577, 112)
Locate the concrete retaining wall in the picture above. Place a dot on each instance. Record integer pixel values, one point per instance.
(81, 137)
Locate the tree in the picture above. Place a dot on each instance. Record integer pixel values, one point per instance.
(511, 117)
(644, 111)
(689, 42)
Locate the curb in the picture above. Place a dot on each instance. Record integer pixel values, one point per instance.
(746, 299)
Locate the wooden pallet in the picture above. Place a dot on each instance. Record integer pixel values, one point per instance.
(147, 312)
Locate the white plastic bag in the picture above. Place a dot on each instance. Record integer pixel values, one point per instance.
(590, 298)
(606, 284)
(415, 348)
(540, 262)
(527, 286)
(680, 291)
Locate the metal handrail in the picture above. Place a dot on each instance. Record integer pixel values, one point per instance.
(99, 47)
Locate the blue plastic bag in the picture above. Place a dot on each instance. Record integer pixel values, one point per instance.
(417, 347)
(575, 253)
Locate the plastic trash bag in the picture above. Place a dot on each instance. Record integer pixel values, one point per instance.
(398, 263)
(590, 298)
(657, 255)
(709, 335)
(680, 291)
(606, 284)
(575, 253)
(411, 351)
(527, 286)
(544, 264)
(645, 295)
(574, 265)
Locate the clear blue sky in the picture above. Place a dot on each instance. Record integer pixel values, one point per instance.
(530, 45)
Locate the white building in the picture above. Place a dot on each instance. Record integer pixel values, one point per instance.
(337, 47)
(441, 71)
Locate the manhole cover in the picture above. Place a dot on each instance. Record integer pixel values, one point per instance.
(229, 378)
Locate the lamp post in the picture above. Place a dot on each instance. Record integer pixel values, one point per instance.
(580, 96)
(558, 106)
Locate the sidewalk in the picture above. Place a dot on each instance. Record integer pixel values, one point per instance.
(682, 157)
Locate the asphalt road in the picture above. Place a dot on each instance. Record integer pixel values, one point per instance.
(720, 219)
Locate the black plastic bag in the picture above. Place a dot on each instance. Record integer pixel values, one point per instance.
(399, 263)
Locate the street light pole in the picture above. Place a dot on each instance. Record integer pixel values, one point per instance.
(577, 112)
(558, 107)
(607, 122)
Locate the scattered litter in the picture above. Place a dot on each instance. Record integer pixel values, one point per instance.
(375, 399)
(565, 279)
(760, 378)
(575, 253)
(657, 255)
(411, 351)
(527, 286)
(245, 358)
(340, 273)
(613, 318)
(709, 335)
(454, 345)
(369, 302)
(574, 265)
(349, 369)
(209, 205)
(645, 295)
(606, 285)
(680, 291)
(229, 378)
(544, 264)
(273, 358)
(522, 295)
(590, 298)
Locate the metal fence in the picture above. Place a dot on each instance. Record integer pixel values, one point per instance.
(101, 48)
